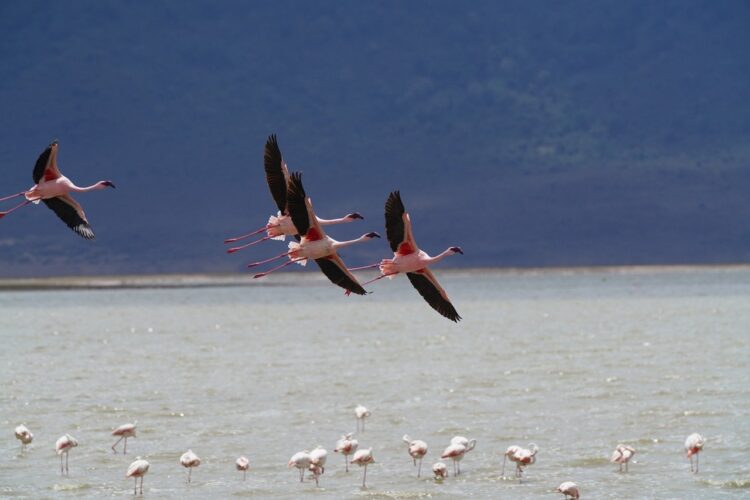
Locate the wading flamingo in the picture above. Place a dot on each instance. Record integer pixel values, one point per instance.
(124, 432)
(693, 446)
(301, 461)
(622, 455)
(363, 458)
(277, 177)
(137, 469)
(315, 471)
(440, 471)
(242, 464)
(523, 457)
(417, 451)
(361, 412)
(569, 489)
(409, 259)
(63, 446)
(456, 450)
(315, 244)
(509, 453)
(318, 458)
(24, 435)
(190, 460)
(346, 446)
(53, 189)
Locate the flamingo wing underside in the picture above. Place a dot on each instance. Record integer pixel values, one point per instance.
(296, 203)
(431, 291)
(394, 221)
(71, 214)
(277, 175)
(46, 165)
(333, 267)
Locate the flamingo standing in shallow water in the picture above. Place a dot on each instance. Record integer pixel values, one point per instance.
(53, 188)
(569, 489)
(24, 435)
(346, 446)
(315, 244)
(363, 458)
(63, 446)
(440, 471)
(361, 412)
(693, 446)
(509, 453)
(456, 450)
(318, 458)
(137, 469)
(124, 432)
(622, 455)
(523, 457)
(417, 451)
(409, 259)
(242, 464)
(277, 177)
(190, 460)
(301, 461)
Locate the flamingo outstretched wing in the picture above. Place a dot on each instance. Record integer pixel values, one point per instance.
(335, 269)
(46, 165)
(398, 226)
(71, 213)
(428, 287)
(277, 174)
(301, 210)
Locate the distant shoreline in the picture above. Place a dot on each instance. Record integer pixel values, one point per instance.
(205, 280)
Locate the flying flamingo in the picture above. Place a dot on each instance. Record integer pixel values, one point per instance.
(509, 453)
(53, 189)
(137, 469)
(440, 471)
(301, 461)
(346, 446)
(523, 457)
(124, 432)
(622, 455)
(315, 244)
(363, 458)
(694, 445)
(190, 460)
(24, 435)
(242, 464)
(417, 450)
(318, 458)
(456, 450)
(569, 489)
(277, 177)
(63, 446)
(409, 259)
(361, 413)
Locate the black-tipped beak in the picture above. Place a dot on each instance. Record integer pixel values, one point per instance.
(110, 184)
(458, 250)
(373, 235)
(355, 215)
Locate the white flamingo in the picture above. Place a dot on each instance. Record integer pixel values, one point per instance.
(417, 450)
(137, 469)
(622, 455)
(24, 435)
(242, 464)
(301, 461)
(363, 458)
(190, 460)
(346, 446)
(440, 471)
(318, 457)
(569, 489)
(456, 450)
(63, 446)
(511, 454)
(125, 431)
(361, 413)
(693, 446)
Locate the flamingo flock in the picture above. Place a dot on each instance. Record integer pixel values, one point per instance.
(314, 461)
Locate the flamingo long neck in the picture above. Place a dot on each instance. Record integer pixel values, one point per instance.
(328, 222)
(84, 189)
(439, 257)
(341, 244)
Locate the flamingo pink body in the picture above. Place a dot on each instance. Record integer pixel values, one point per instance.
(456, 450)
(693, 446)
(125, 431)
(417, 450)
(63, 446)
(363, 458)
(137, 469)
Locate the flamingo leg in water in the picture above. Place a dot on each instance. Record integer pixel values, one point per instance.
(238, 238)
(419, 471)
(190, 472)
(260, 275)
(3, 214)
(235, 249)
(113, 446)
(253, 264)
(13, 196)
(67, 470)
(502, 474)
(135, 486)
(346, 461)
(125, 447)
(364, 479)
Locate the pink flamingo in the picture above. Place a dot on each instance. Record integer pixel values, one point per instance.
(693, 446)
(190, 460)
(509, 453)
(301, 461)
(456, 451)
(346, 446)
(315, 244)
(622, 455)
(242, 464)
(417, 450)
(524, 457)
(363, 458)
(124, 432)
(53, 188)
(137, 469)
(63, 446)
(24, 435)
(280, 225)
(409, 259)
(569, 489)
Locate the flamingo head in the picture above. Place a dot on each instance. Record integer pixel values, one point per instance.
(107, 184)
(372, 235)
(354, 216)
(456, 250)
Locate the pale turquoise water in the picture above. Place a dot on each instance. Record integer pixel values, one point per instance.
(573, 361)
